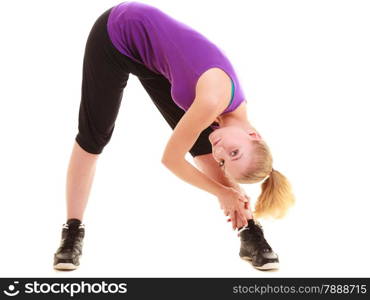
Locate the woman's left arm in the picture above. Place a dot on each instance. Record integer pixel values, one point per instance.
(198, 117)
(211, 98)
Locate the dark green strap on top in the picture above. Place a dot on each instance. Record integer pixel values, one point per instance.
(232, 92)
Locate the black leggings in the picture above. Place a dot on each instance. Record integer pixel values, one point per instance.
(105, 75)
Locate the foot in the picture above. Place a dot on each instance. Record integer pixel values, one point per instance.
(67, 256)
(255, 248)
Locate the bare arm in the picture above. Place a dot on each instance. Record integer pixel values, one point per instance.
(210, 101)
(187, 172)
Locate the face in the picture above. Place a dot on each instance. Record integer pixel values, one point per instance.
(232, 148)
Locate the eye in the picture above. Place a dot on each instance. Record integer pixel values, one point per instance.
(234, 153)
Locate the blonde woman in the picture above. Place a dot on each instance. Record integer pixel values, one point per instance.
(195, 88)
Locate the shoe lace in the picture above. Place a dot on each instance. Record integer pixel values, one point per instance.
(70, 239)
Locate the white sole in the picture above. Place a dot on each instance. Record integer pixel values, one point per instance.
(268, 266)
(65, 266)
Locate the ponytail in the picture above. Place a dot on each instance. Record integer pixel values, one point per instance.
(276, 196)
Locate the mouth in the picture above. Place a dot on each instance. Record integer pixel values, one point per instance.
(216, 142)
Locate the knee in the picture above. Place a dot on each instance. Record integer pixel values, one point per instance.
(93, 144)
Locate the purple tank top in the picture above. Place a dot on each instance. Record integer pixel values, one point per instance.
(168, 47)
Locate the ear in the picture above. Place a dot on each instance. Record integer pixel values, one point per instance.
(255, 135)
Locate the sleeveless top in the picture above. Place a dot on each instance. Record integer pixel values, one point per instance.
(169, 47)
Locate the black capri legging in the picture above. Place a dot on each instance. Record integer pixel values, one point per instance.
(104, 77)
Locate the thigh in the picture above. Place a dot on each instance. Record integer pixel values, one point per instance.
(104, 77)
(159, 90)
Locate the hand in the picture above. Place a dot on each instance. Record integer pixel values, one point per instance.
(234, 204)
(247, 201)
(247, 207)
(241, 190)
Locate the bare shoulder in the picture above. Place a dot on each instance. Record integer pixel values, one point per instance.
(214, 85)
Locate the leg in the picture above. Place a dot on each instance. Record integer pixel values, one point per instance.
(104, 78)
(80, 174)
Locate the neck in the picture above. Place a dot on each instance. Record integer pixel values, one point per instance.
(237, 117)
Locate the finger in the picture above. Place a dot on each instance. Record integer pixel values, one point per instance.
(243, 217)
(241, 208)
(247, 197)
(240, 221)
(243, 221)
(243, 203)
(235, 223)
(244, 199)
(244, 196)
(244, 208)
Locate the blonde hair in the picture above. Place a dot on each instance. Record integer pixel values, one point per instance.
(276, 193)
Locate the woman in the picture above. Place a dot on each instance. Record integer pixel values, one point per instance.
(196, 89)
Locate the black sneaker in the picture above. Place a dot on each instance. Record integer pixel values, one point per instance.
(68, 254)
(255, 248)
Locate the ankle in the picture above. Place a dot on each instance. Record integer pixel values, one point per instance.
(74, 219)
(251, 222)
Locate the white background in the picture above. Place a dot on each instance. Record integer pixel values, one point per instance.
(305, 69)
